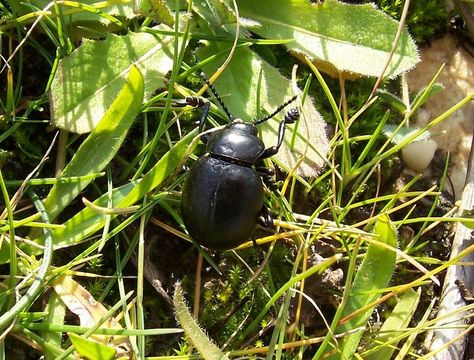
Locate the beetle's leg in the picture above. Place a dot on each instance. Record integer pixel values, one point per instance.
(265, 219)
(205, 112)
(267, 176)
(264, 171)
(205, 106)
(291, 116)
(254, 242)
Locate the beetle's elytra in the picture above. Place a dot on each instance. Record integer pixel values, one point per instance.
(222, 196)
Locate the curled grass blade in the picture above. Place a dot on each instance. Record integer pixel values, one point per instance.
(38, 283)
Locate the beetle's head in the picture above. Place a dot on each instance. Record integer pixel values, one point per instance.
(240, 125)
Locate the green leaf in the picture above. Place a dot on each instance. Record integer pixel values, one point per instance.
(56, 315)
(393, 100)
(156, 10)
(403, 134)
(469, 215)
(87, 221)
(219, 17)
(207, 349)
(101, 145)
(71, 15)
(249, 99)
(87, 81)
(355, 39)
(91, 349)
(427, 93)
(394, 326)
(374, 274)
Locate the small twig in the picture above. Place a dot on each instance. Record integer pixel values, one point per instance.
(392, 50)
(197, 287)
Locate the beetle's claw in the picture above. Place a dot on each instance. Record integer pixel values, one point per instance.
(292, 115)
(265, 219)
(195, 101)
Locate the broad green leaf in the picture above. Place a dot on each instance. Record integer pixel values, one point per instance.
(373, 274)
(101, 145)
(219, 17)
(207, 349)
(394, 326)
(91, 349)
(421, 97)
(215, 12)
(354, 39)
(156, 10)
(87, 81)
(87, 221)
(249, 99)
(427, 93)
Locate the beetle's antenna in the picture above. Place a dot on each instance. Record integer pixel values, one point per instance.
(278, 109)
(219, 99)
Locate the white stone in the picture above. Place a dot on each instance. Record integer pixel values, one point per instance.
(418, 154)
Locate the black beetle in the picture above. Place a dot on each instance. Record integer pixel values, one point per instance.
(222, 196)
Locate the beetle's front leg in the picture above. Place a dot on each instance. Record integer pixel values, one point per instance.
(205, 106)
(291, 116)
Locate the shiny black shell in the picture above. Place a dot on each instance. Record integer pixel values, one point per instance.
(221, 202)
(222, 196)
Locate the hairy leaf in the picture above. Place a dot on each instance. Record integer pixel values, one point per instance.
(249, 98)
(403, 133)
(354, 39)
(203, 344)
(101, 145)
(155, 9)
(87, 81)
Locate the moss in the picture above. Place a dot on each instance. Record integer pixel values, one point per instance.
(425, 18)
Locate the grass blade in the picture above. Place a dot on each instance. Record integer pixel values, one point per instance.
(394, 326)
(101, 145)
(374, 274)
